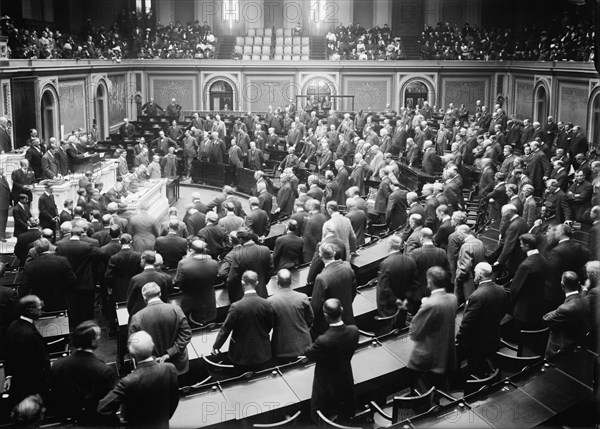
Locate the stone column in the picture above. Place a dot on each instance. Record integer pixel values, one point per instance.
(382, 12)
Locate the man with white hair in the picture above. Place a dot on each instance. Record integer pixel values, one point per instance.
(479, 333)
(148, 397)
(512, 254)
(359, 171)
(5, 138)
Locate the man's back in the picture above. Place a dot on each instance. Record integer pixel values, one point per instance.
(149, 395)
(122, 266)
(397, 279)
(293, 317)
(527, 289)
(568, 324)
(172, 248)
(287, 252)
(251, 256)
(135, 300)
(49, 277)
(195, 277)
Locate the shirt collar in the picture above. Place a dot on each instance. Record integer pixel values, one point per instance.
(27, 319)
(566, 294)
(340, 323)
(440, 290)
(564, 239)
(532, 252)
(250, 292)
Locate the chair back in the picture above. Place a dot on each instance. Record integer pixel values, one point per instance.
(477, 384)
(512, 364)
(405, 407)
(219, 370)
(385, 325)
(325, 422)
(289, 421)
(533, 343)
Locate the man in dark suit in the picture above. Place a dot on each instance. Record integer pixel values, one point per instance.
(171, 247)
(333, 383)
(63, 159)
(293, 317)
(257, 220)
(78, 382)
(5, 138)
(5, 203)
(445, 228)
(27, 363)
(337, 280)
(23, 180)
(426, 256)
(249, 321)
(8, 311)
(538, 168)
(50, 164)
(166, 324)
(127, 130)
(529, 286)
(313, 229)
(26, 239)
(287, 252)
(250, 256)
(214, 236)
(194, 220)
(121, 268)
(149, 274)
(147, 397)
(314, 191)
(265, 200)
(512, 255)
(432, 330)
(285, 197)
(34, 155)
(396, 212)
(84, 259)
(569, 323)
(49, 276)
(479, 333)
(196, 275)
(358, 220)
(47, 208)
(397, 278)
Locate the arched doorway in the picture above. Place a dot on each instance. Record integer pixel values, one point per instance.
(220, 96)
(595, 119)
(100, 106)
(415, 94)
(541, 105)
(49, 115)
(319, 89)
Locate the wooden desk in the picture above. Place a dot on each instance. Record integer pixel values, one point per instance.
(368, 258)
(204, 408)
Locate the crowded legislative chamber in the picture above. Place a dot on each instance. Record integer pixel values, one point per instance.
(299, 213)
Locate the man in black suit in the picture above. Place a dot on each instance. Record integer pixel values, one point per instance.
(49, 276)
(479, 332)
(569, 323)
(148, 397)
(257, 220)
(358, 219)
(249, 321)
(440, 239)
(5, 138)
(333, 383)
(127, 130)
(166, 324)
(121, 268)
(397, 279)
(84, 259)
(395, 215)
(26, 239)
(34, 155)
(512, 255)
(194, 220)
(103, 235)
(313, 229)
(196, 275)
(78, 382)
(529, 286)
(171, 247)
(567, 255)
(27, 363)
(149, 274)
(337, 280)
(47, 208)
(250, 255)
(287, 252)
(21, 214)
(265, 200)
(63, 159)
(23, 180)
(538, 168)
(5, 203)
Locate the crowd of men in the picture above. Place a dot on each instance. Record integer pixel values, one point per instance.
(567, 37)
(435, 261)
(358, 43)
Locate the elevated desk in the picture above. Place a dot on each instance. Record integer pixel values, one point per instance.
(368, 258)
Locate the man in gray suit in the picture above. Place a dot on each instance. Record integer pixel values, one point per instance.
(432, 330)
(341, 227)
(293, 317)
(167, 325)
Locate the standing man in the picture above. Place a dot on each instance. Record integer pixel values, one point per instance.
(5, 203)
(479, 332)
(5, 138)
(341, 228)
(148, 397)
(50, 164)
(257, 220)
(287, 252)
(23, 180)
(432, 330)
(150, 274)
(167, 325)
(333, 383)
(47, 208)
(249, 321)
(293, 317)
(173, 110)
(471, 253)
(512, 255)
(337, 280)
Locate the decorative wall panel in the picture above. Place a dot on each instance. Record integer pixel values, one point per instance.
(465, 91)
(572, 103)
(261, 92)
(523, 98)
(117, 99)
(72, 105)
(180, 88)
(373, 92)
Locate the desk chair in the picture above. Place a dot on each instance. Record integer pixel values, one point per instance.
(509, 364)
(475, 384)
(219, 370)
(385, 325)
(289, 421)
(533, 343)
(325, 422)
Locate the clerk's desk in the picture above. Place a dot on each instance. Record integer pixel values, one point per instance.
(379, 367)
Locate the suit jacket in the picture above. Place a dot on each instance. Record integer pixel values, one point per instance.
(144, 231)
(249, 321)
(77, 383)
(397, 279)
(172, 248)
(293, 317)
(358, 220)
(195, 277)
(337, 280)
(102, 236)
(50, 166)
(169, 328)
(194, 222)
(538, 167)
(135, 300)
(568, 324)
(333, 382)
(50, 277)
(84, 259)
(441, 236)
(529, 285)
(214, 237)
(121, 268)
(148, 397)
(511, 254)
(432, 330)
(251, 256)
(395, 215)
(5, 140)
(383, 193)
(479, 331)
(426, 257)
(48, 211)
(315, 192)
(566, 256)
(19, 179)
(26, 360)
(63, 162)
(343, 182)
(342, 230)
(530, 211)
(34, 156)
(413, 241)
(313, 232)
(287, 252)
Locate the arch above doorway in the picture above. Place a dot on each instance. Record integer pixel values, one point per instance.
(425, 83)
(220, 91)
(49, 113)
(541, 101)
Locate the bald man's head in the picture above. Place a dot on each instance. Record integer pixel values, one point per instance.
(140, 345)
(332, 309)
